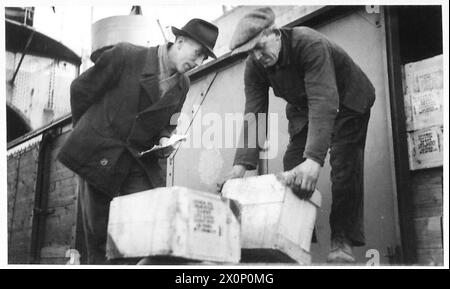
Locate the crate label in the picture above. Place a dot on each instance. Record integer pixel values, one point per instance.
(427, 143)
(207, 227)
(423, 109)
(425, 148)
(428, 80)
(203, 217)
(426, 102)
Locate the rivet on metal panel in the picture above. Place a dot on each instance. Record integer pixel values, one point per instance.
(104, 162)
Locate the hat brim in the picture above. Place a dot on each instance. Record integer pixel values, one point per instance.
(180, 32)
(247, 46)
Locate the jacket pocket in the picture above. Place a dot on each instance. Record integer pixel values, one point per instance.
(149, 125)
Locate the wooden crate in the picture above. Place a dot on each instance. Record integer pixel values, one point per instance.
(424, 109)
(272, 217)
(424, 75)
(422, 90)
(176, 222)
(426, 148)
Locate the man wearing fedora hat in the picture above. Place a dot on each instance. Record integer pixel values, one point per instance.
(328, 107)
(125, 104)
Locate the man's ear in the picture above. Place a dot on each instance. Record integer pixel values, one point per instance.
(179, 41)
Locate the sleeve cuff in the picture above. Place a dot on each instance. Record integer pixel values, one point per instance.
(315, 157)
(248, 166)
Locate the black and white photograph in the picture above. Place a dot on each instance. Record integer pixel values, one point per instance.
(207, 134)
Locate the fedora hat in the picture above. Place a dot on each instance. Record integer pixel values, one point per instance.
(201, 31)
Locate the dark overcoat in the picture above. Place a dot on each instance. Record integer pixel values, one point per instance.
(117, 112)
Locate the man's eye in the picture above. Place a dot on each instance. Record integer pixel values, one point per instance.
(258, 47)
(200, 53)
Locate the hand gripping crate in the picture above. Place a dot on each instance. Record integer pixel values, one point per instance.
(273, 219)
(173, 222)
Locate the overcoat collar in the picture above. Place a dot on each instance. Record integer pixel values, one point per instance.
(150, 83)
(149, 76)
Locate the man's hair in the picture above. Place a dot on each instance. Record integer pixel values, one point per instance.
(205, 52)
(271, 30)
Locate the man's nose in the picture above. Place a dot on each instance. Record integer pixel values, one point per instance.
(257, 54)
(198, 61)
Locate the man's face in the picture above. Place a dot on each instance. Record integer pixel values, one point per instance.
(190, 54)
(267, 49)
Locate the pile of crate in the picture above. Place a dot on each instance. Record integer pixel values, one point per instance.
(423, 84)
(258, 215)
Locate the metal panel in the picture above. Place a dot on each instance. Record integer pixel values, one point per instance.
(199, 163)
(129, 28)
(361, 35)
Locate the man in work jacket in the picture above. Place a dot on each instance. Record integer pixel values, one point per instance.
(122, 106)
(328, 106)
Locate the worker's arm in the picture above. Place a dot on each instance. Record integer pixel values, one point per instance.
(91, 85)
(323, 99)
(323, 104)
(256, 102)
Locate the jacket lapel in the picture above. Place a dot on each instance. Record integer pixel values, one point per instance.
(171, 98)
(149, 77)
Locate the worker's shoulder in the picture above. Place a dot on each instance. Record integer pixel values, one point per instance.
(307, 35)
(127, 47)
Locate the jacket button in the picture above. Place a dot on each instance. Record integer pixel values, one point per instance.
(104, 162)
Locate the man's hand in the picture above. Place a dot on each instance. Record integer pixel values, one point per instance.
(238, 171)
(303, 178)
(165, 152)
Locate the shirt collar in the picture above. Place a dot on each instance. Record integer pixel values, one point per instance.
(163, 57)
(284, 57)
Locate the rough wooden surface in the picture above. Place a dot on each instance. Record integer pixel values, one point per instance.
(61, 207)
(427, 196)
(62, 203)
(21, 185)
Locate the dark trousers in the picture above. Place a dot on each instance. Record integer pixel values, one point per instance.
(347, 173)
(95, 212)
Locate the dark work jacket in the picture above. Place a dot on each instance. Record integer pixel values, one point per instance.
(110, 125)
(316, 77)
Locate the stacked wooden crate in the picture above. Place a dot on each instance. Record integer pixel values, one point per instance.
(423, 84)
(259, 215)
(423, 97)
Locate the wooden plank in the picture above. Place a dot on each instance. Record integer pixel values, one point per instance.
(19, 246)
(428, 232)
(58, 226)
(20, 229)
(427, 192)
(61, 200)
(55, 251)
(432, 257)
(429, 176)
(53, 261)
